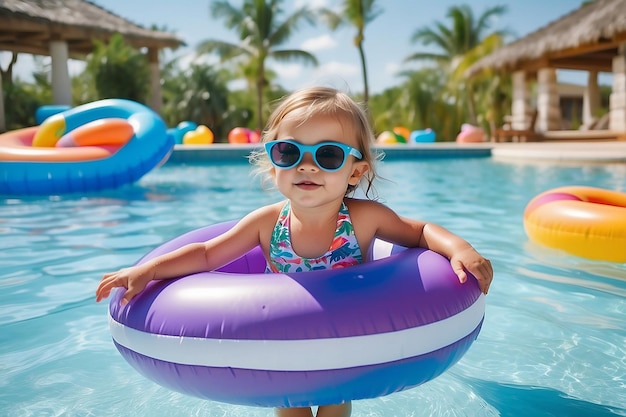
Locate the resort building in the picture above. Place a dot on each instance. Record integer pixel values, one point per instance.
(66, 29)
(592, 39)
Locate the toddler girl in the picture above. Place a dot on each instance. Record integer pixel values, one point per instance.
(316, 152)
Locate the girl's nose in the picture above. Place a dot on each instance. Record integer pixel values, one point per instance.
(307, 163)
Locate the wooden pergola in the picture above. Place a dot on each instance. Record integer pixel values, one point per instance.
(64, 29)
(591, 38)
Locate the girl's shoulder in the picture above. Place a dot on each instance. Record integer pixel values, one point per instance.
(359, 207)
(261, 223)
(367, 214)
(266, 213)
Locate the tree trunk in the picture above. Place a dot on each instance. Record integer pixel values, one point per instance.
(259, 104)
(366, 93)
(6, 79)
(260, 84)
(471, 105)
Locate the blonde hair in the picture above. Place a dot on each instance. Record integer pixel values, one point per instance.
(321, 101)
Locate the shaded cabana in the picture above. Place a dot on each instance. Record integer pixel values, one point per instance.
(64, 29)
(591, 38)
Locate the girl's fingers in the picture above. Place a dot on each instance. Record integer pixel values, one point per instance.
(483, 272)
(460, 272)
(130, 294)
(486, 276)
(109, 281)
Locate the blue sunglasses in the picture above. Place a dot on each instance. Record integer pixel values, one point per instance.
(329, 156)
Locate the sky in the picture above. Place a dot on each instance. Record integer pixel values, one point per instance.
(387, 38)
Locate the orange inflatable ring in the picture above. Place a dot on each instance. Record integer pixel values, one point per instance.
(584, 221)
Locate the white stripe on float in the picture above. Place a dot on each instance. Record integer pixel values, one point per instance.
(381, 249)
(302, 355)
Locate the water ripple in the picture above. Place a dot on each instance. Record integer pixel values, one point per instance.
(552, 342)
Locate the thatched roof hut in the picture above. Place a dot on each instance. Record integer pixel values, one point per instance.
(28, 26)
(66, 29)
(584, 39)
(591, 38)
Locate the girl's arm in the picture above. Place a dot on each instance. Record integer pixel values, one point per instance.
(377, 220)
(463, 257)
(189, 259)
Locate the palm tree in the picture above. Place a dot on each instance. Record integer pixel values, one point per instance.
(489, 90)
(453, 43)
(465, 34)
(260, 35)
(357, 13)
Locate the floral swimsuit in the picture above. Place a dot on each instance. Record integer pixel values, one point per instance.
(344, 250)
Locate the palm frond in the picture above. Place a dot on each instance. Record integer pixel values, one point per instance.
(225, 50)
(294, 54)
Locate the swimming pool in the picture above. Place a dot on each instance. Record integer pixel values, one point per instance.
(553, 341)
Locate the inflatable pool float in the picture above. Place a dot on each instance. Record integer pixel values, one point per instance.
(470, 134)
(584, 221)
(238, 335)
(390, 138)
(43, 112)
(178, 132)
(422, 136)
(402, 131)
(96, 146)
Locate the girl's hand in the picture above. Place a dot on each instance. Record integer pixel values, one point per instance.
(134, 279)
(468, 260)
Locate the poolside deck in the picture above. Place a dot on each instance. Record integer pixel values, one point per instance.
(574, 151)
(562, 151)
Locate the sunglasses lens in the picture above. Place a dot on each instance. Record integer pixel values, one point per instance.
(330, 157)
(285, 154)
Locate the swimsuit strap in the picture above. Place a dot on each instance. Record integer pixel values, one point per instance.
(344, 250)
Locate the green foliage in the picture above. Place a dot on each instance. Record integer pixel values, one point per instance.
(119, 71)
(84, 88)
(421, 102)
(200, 95)
(456, 47)
(21, 99)
(261, 33)
(486, 93)
(385, 110)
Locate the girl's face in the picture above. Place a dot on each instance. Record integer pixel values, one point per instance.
(306, 184)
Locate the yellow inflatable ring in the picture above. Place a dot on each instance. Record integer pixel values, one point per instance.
(584, 221)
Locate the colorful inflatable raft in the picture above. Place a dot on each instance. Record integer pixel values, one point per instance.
(96, 146)
(241, 336)
(584, 221)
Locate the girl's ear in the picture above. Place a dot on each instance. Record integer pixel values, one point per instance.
(359, 169)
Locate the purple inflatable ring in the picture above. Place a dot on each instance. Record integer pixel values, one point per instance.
(240, 336)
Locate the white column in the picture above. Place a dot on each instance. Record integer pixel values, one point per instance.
(61, 85)
(520, 103)
(617, 103)
(549, 111)
(591, 98)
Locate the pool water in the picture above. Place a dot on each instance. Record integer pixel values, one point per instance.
(553, 341)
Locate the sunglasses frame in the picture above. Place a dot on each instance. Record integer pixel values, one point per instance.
(312, 149)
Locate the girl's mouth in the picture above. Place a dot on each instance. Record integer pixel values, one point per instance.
(307, 185)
